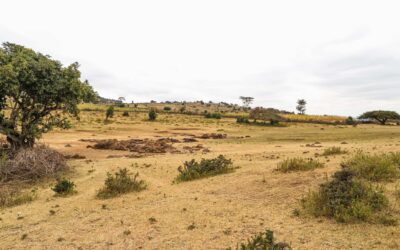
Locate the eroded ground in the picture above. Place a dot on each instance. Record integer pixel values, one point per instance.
(224, 209)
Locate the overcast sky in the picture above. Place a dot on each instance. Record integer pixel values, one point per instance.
(343, 57)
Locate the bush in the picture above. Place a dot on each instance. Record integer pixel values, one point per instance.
(64, 187)
(298, 164)
(13, 196)
(192, 170)
(109, 112)
(242, 120)
(377, 167)
(152, 115)
(120, 183)
(32, 164)
(213, 116)
(167, 108)
(125, 113)
(334, 151)
(263, 241)
(350, 121)
(348, 200)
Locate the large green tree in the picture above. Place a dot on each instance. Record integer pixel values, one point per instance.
(382, 116)
(37, 93)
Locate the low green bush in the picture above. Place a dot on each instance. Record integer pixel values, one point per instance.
(125, 113)
(263, 241)
(242, 120)
(167, 108)
(334, 151)
(120, 183)
(374, 167)
(192, 170)
(347, 199)
(298, 164)
(213, 116)
(64, 187)
(152, 115)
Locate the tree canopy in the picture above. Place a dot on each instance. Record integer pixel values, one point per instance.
(382, 116)
(37, 93)
(301, 106)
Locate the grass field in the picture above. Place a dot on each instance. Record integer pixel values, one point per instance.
(209, 213)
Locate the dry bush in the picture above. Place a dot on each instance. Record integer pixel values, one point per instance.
(298, 164)
(334, 151)
(32, 164)
(13, 196)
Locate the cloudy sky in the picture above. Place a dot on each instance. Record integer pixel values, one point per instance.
(343, 57)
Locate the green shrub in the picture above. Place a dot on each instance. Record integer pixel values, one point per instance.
(125, 113)
(263, 241)
(346, 199)
(192, 170)
(120, 183)
(242, 120)
(298, 164)
(167, 108)
(334, 151)
(109, 112)
(213, 116)
(152, 115)
(64, 187)
(376, 167)
(350, 121)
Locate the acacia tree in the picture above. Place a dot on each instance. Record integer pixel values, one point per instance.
(37, 93)
(382, 116)
(247, 100)
(301, 106)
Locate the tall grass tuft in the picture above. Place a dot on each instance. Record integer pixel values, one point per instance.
(298, 164)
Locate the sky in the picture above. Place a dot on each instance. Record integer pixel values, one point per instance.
(342, 57)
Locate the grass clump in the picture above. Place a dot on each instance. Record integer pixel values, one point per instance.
(192, 170)
(11, 196)
(64, 188)
(298, 164)
(120, 183)
(376, 167)
(334, 151)
(213, 116)
(347, 199)
(263, 241)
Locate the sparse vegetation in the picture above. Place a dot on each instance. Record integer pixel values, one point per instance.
(64, 187)
(298, 164)
(263, 241)
(374, 167)
(347, 199)
(125, 114)
(11, 195)
(120, 183)
(213, 115)
(334, 151)
(152, 115)
(192, 170)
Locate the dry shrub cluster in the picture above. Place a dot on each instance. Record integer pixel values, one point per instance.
(32, 164)
(212, 136)
(11, 195)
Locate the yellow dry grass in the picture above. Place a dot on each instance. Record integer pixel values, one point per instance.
(224, 209)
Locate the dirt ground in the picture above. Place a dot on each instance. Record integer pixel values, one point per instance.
(224, 209)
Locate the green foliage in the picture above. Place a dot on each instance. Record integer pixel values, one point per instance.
(301, 106)
(64, 187)
(263, 241)
(382, 116)
(152, 115)
(167, 108)
(213, 116)
(350, 121)
(120, 183)
(334, 151)
(348, 200)
(242, 120)
(109, 112)
(125, 113)
(192, 170)
(376, 167)
(298, 164)
(39, 92)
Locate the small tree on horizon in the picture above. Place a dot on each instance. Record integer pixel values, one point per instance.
(382, 116)
(39, 93)
(301, 106)
(247, 100)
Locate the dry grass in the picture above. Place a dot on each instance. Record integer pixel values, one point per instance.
(224, 209)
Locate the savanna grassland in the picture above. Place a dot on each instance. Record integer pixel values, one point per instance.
(216, 212)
